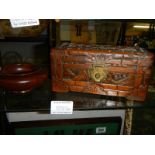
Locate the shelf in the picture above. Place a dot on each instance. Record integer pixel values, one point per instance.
(25, 39)
(40, 98)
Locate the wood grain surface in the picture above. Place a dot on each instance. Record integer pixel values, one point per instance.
(104, 70)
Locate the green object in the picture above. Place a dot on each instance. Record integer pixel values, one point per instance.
(95, 128)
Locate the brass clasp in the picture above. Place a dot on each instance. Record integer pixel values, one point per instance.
(97, 73)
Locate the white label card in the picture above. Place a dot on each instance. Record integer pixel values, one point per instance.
(15, 23)
(101, 130)
(61, 107)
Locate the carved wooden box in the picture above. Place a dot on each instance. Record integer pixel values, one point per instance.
(104, 70)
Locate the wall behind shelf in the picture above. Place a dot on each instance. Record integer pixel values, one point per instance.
(34, 52)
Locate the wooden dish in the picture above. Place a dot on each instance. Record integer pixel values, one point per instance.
(21, 78)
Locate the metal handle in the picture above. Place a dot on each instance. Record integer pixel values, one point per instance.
(78, 30)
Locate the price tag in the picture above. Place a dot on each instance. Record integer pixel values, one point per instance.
(101, 130)
(61, 107)
(15, 23)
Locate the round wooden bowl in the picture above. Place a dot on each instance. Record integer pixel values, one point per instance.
(22, 78)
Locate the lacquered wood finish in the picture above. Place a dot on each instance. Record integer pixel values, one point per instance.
(104, 70)
(21, 78)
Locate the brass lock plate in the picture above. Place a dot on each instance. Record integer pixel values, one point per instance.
(98, 73)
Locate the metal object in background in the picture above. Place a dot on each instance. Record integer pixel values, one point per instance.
(11, 57)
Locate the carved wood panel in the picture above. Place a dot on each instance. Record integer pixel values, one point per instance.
(113, 71)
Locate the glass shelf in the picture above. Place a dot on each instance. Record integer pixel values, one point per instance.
(39, 100)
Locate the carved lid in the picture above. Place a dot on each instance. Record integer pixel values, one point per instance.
(109, 48)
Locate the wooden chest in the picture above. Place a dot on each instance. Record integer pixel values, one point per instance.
(104, 70)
